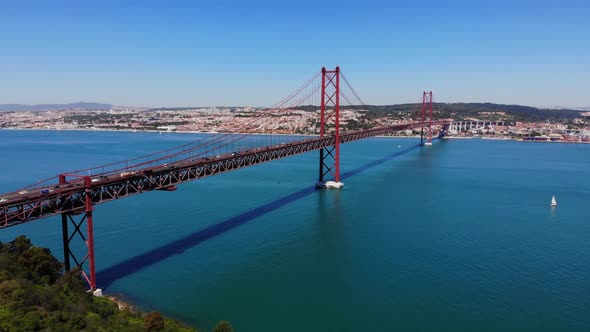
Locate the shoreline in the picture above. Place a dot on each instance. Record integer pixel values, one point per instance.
(177, 132)
(124, 303)
(120, 302)
(149, 131)
(492, 138)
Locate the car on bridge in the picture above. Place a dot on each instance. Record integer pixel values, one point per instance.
(126, 174)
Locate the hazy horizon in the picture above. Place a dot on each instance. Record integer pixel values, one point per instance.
(580, 108)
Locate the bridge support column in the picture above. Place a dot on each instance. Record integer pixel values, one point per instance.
(426, 112)
(330, 120)
(77, 234)
(66, 242)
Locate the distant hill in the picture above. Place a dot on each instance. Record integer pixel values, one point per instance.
(458, 111)
(48, 107)
(580, 108)
(491, 111)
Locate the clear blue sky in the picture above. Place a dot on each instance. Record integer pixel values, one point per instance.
(171, 53)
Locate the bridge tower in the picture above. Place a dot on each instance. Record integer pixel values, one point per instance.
(330, 125)
(84, 215)
(426, 119)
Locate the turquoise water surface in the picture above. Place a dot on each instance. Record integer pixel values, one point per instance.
(457, 236)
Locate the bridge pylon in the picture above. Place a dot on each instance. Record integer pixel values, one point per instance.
(426, 119)
(330, 126)
(77, 219)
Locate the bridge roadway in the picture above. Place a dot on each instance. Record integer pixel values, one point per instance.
(36, 203)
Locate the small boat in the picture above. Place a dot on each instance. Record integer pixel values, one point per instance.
(553, 201)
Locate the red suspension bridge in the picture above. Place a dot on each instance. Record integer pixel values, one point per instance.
(74, 195)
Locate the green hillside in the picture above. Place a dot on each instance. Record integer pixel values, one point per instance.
(460, 111)
(35, 295)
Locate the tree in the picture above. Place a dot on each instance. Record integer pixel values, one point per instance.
(223, 326)
(19, 244)
(41, 264)
(154, 321)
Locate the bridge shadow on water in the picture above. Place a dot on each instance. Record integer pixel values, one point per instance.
(137, 263)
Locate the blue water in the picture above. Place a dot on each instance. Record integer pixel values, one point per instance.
(457, 236)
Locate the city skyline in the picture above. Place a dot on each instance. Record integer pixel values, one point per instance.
(182, 54)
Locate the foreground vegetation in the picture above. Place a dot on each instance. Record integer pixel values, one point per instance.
(35, 295)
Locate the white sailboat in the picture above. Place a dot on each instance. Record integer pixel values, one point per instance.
(553, 201)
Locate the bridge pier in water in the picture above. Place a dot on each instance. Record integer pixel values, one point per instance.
(330, 118)
(68, 236)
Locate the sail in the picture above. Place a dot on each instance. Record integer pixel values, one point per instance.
(553, 201)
